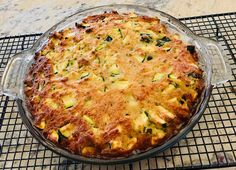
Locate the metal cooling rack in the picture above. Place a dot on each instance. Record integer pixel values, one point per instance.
(211, 143)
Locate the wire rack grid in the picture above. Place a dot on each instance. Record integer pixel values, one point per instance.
(211, 143)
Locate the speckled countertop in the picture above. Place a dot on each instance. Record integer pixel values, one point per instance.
(25, 17)
(36, 16)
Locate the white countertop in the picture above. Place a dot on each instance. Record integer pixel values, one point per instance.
(37, 16)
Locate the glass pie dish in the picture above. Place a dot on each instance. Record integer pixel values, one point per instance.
(212, 61)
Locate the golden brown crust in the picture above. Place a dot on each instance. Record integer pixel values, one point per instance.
(113, 84)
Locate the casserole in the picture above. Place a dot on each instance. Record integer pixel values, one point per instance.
(12, 83)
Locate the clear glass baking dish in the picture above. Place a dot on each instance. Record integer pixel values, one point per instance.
(212, 60)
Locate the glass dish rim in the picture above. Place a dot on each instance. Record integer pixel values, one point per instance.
(134, 157)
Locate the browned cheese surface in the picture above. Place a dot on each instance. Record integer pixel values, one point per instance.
(112, 85)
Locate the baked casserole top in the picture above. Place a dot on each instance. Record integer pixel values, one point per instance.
(113, 85)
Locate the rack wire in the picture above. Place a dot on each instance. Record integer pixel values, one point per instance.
(211, 143)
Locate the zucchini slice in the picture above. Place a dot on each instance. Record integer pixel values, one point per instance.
(84, 75)
(191, 49)
(63, 66)
(157, 77)
(166, 112)
(174, 101)
(141, 121)
(88, 120)
(100, 46)
(164, 127)
(155, 118)
(160, 36)
(109, 38)
(149, 57)
(97, 60)
(69, 101)
(51, 104)
(121, 84)
(145, 37)
(55, 69)
(172, 76)
(114, 70)
(140, 58)
(169, 89)
(120, 32)
(41, 125)
(67, 130)
(161, 42)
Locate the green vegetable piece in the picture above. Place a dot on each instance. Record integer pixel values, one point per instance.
(122, 84)
(181, 101)
(63, 66)
(84, 75)
(51, 103)
(160, 36)
(69, 105)
(164, 126)
(172, 76)
(61, 137)
(149, 58)
(146, 113)
(175, 84)
(194, 75)
(161, 42)
(166, 39)
(114, 70)
(191, 49)
(121, 35)
(140, 58)
(71, 62)
(147, 130)
(145, 37)
(105, 89)
(68, 101)
(55, 69)
(146, 58)
(97, 60)
(89, 120)
(103, 79)
(167, 48)
(67, 130)
(100, 46)
(157, 77)
(53, 87)
(109, 38)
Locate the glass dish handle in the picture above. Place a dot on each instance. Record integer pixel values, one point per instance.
(221, 70)
(13, 75)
